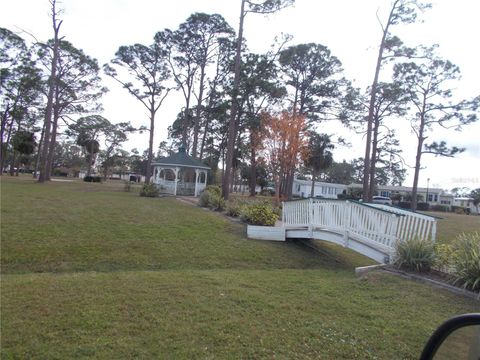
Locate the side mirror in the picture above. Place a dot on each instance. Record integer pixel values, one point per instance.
(456, 338)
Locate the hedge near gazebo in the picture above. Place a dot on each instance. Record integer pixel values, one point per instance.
(180, 174)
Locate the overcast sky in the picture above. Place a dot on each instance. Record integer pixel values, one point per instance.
(348, 27)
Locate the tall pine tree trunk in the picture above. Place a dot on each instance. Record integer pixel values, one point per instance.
(186, 121)
(51, 89)
(150, 143)
(53, 139)
(253, 166)
(233, 110)
(196, 125)
(312, 190)
(3, 146)
(12, 163)
(418, 157)
(37, 158)
(367, 196)
(373, 160)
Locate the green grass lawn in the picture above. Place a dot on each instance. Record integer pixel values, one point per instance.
(91, 271)
(451, 224)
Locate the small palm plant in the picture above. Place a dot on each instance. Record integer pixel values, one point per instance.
(415, 255)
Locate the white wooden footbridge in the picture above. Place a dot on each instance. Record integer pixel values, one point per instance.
(370, 229)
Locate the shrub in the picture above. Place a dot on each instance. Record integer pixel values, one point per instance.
(216, 202)
(260, 213)
(212, 198)
(443, 257)
(460, 210)
(90, 178)
(234, 206)
(204, 199)
(149, 190)
(466, 261)
(415, 254)
(404, 204)
(443, 208)
(422, 206)
(214, 189)
(267, 192)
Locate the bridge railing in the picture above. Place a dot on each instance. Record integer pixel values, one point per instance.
(296, 213)
(412, 224)
(382, 225)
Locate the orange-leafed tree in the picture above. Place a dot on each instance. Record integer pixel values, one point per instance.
(285, 144)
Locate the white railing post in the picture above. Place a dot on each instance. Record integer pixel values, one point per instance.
(434, 230)
(348, 207)
(310, 217)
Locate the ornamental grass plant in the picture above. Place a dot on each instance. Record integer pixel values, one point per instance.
(466, 261)
(415, 255)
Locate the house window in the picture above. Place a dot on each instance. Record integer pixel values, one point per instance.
(330, 190)
(433, 197)
(324, 190)
(298, 187)
(445, 202)
(385, 193)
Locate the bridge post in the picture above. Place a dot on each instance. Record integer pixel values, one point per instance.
(310, 217)
(348, 207)
(345, 238)
(434, 230)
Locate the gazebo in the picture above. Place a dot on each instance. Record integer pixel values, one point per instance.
(180, 174)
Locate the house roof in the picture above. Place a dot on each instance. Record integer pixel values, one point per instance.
(181, 159)
(319, 183)
(379, 187)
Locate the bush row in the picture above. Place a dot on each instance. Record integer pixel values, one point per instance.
(90, 178)
(461, 258)
(149, 190)
(250, 212)
(422, 206)
(253, 212)
(212, 198)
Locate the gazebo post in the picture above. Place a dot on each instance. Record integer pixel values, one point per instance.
(196, 182)
(176, 179)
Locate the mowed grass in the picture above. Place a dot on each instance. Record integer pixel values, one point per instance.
(450, 225)
(61, 227)
(90, 271)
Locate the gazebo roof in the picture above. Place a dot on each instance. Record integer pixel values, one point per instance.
(181, 159)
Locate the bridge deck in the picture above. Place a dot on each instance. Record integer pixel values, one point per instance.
(368, 229)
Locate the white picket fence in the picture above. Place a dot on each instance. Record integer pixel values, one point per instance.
(372, 223)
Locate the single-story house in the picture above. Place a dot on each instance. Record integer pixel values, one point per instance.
(434, 196)
(466, 203)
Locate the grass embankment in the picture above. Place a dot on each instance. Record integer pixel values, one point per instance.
(92, 271)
